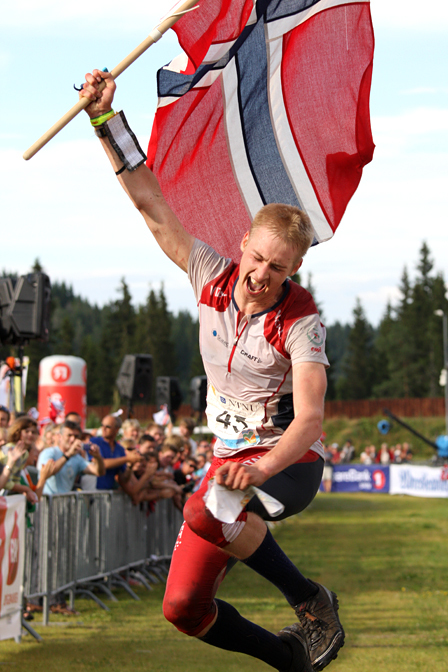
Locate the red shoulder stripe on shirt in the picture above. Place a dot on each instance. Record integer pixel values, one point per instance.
(218, 292)
(297, 304)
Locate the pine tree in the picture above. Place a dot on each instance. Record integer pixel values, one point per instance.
(117, 339)
(335, 348)
(66, 336)
(185, 336)
(153, 335)
(359, 365)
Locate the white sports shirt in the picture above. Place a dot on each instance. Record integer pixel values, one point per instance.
(249, 366)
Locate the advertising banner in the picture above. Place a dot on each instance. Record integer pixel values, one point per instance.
(418, 481)
(12, 552)
(360, 478)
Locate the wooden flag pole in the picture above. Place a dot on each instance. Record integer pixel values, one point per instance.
(82, 103)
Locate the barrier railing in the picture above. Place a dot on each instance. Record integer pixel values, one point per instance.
(79, 538)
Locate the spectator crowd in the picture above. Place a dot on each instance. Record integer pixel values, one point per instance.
(148, 463)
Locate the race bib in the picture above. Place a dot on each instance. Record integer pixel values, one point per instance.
(234, 421)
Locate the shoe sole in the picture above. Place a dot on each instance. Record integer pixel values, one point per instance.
(337, 642)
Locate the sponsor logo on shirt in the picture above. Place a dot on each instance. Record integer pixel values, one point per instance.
(238, 405)
(220, 339)
(252, 358)
(315, 336)
(217, 291)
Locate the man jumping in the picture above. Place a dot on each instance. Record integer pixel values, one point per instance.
(262, 344)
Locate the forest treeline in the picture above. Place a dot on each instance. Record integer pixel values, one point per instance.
(402, 357)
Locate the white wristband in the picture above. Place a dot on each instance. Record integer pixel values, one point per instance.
(124, 141)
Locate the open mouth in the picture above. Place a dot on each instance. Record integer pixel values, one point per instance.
(255, 287)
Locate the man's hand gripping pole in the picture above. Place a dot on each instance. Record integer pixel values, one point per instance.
(83, 102)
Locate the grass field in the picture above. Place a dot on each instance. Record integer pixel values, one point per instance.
(386, 557)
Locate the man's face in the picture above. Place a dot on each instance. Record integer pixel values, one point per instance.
(157, 434)
(132, 433)
(166, 459)
(266, 263)
(188, 467)
(74, 417)
(146, 446)
(68, 437)
(110, 430)
(3, 419)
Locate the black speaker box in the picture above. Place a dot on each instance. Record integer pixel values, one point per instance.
(134, 380)
(25, 309)
(198, 391)
(168, 392)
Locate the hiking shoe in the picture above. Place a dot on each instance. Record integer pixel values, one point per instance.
(319, 619)
(295, 637)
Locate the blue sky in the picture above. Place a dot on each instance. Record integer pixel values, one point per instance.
(64, 205)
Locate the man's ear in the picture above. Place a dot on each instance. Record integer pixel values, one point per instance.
(244, 241)
(294, 271)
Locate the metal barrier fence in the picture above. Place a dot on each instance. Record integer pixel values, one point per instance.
(83, 540)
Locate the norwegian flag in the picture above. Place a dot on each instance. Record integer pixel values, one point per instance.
(268, 104)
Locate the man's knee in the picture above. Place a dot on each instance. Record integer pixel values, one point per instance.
(202, 522)
(186, 613)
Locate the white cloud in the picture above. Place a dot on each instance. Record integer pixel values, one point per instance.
(410, 14)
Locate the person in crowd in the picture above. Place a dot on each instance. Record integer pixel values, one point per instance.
(347, 453)
(327, 475)
(157, 432)
(368, 455)
(3, 436)
(129, 445)
(254, 300)
(147, 444)
(45, 473)
(50, 435)
(68, 461)
(114, 455)
(75, 417)
(164, 477)
(22, 434)
(397, 453)
(131, 430)
(5, 416)
(152, 484)
(184, 476)
(180, 447)
(202, 466)
(203, 446)
(168, 455)
(7, 463)
(383, 456)
(186, 429)
(406, 453)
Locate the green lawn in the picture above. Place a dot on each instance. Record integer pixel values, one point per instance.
(386, 557)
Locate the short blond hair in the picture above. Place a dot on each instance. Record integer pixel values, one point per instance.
(288, 222)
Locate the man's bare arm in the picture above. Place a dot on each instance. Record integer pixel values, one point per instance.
(141, 185)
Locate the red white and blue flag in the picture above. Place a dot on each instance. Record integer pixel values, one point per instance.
(268, 104)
